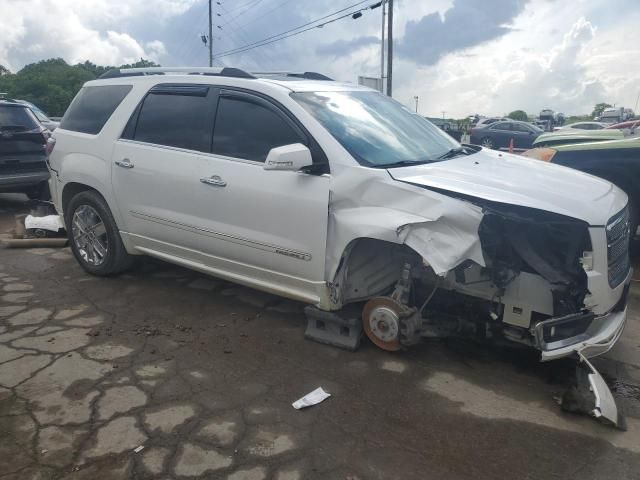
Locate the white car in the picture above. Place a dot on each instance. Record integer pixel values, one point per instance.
(340, 197)
(583, 126)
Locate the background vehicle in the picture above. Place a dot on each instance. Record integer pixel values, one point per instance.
(629, 128)
(616, 115)
(552, 119)
(500, 134)
(562, 137)
(583, 126)
(46, 122)
(617, 161)
(484, 122)
(23, 153)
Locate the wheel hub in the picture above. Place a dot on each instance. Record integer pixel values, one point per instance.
(89, 235)
(381, 322)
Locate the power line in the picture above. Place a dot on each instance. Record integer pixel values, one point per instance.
(267, 13)
(292, 32)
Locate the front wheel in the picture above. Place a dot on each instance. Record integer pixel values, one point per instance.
(94, 236)
(486, 142)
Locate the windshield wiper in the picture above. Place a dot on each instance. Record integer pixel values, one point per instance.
(454, 152)
(402, 163)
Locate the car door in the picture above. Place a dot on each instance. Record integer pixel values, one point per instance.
(523, 135)
(267, 225)
(156, 166)
(500, 134)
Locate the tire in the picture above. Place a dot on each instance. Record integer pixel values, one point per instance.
(94, 236)
(486, 142)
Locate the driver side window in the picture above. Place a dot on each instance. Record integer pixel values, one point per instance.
(249, 130)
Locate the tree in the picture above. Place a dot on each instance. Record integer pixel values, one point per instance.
(519, 115)
(598, 109)
(51, 84)
(4, 70)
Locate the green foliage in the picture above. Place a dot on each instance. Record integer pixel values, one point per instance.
(519, 115)
(598, 109)
(51, 84)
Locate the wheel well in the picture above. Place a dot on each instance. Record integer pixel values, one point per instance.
(71, 190)
(369, 267)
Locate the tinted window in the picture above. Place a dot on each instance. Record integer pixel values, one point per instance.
(518, 127)
(245, 129)
(92, 107)
(506, 126)
(175, 120)
(18, 118)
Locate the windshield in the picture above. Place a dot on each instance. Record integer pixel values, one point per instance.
(375, 129)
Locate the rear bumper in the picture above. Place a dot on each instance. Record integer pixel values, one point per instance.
(601, 335)
(18, 181)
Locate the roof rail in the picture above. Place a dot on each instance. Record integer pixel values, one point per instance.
(305, 75)
(216, 71)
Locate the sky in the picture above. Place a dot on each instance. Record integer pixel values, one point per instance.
(460, 57)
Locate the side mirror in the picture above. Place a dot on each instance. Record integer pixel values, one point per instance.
(291, 158)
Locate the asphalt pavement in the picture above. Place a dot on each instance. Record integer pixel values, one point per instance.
(164, 373)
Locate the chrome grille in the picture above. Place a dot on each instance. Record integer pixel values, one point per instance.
(618, 234)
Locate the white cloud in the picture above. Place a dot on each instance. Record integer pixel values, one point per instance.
(557, 56)
(79, 30)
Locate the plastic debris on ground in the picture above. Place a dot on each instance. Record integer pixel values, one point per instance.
(312, 398)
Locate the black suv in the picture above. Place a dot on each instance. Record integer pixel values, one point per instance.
(23, 151)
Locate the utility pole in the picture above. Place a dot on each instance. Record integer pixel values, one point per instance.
(390, 50)
(416, 99)
(210, 34)
(384, 13)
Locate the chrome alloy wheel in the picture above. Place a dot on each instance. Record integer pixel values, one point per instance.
(487, 143)
(89, 235)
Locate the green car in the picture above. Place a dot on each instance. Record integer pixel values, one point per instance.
(617, 161)
(562, 137)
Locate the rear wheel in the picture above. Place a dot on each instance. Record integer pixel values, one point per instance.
(94, 236)
(486, 142)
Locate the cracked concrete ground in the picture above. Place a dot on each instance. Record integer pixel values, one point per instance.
(202, 373)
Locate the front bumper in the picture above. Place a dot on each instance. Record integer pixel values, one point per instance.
(600, 336)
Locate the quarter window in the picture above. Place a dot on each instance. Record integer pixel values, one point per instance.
(248, 130)
(175, 119)
(92, 107)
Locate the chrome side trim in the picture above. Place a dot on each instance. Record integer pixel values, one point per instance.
(225, 236)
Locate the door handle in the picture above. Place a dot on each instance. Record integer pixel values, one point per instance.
(215, 180)
(124, 163)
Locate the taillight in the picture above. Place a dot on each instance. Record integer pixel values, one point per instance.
(51, 142)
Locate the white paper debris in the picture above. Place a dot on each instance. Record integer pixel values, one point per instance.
(50, 222)
(138, 449)
(313, 398)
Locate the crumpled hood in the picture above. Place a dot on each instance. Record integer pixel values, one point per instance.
(515, 180)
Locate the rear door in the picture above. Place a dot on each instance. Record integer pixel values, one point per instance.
(268, 225)
(156, 167)
(523, 136)
(22, 143)
(500, 133)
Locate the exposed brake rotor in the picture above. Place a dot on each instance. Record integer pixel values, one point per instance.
(381, 322)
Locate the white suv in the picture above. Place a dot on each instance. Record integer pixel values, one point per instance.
(335, 195)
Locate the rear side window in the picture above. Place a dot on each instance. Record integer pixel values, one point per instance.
(248, 130)
(17, 118)
(92, 107)
(177, 119)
